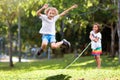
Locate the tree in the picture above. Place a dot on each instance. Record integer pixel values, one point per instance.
(118, 27)
(8, 16)
(77, 23)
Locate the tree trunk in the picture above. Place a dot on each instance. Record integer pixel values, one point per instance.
(112, 41)
(62, 28)
(10, 44)
(119, 47)
(113, 31)
(19, 36)
(118, 28)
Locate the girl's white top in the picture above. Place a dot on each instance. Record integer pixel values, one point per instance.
(97, 44)
(48, 26)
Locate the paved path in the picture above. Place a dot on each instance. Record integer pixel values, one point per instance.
(5, 58)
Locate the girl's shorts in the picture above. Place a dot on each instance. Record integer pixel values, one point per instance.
(97, 51)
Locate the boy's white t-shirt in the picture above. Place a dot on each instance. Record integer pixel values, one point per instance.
(97, 44)
(48, 26)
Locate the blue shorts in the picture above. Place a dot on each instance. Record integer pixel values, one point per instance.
(48, 38)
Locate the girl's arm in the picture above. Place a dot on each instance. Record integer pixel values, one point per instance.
(96, 39)
(41, 9)
(66, 11)
(93, 39)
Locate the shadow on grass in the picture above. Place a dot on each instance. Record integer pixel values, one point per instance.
(105, 63)
(59, 77)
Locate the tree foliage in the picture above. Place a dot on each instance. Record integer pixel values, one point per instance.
(75, 26)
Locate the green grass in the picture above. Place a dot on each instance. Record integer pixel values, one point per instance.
(83, 68)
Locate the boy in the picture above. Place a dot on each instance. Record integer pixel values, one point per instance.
(48, 27)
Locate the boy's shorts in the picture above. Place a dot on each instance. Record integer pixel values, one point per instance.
(48, 38)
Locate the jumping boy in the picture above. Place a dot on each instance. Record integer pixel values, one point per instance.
(48, 27)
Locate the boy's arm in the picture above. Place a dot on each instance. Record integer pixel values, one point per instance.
(41, 9)
(66, 11)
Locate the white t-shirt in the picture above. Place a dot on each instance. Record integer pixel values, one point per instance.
(97, 44)
(48, 26)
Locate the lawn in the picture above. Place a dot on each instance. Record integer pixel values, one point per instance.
(83, 69)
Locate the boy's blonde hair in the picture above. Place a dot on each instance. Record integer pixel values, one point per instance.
(51, 8)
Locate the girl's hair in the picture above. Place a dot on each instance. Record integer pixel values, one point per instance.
(51, 8)
(98, 25)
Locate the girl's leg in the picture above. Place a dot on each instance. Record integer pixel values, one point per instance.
(98, 61)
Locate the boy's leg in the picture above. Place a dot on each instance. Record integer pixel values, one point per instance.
(43, 45)
(58, 44)
(42, 48)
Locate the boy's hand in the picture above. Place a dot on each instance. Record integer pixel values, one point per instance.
(40, 10)
(74, 6)
(66, 11)
(45, 6)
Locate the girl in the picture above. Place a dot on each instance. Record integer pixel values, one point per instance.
(95, 37)
(48, 27)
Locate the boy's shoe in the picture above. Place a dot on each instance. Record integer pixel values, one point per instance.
(39, 51)
(66, 43)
